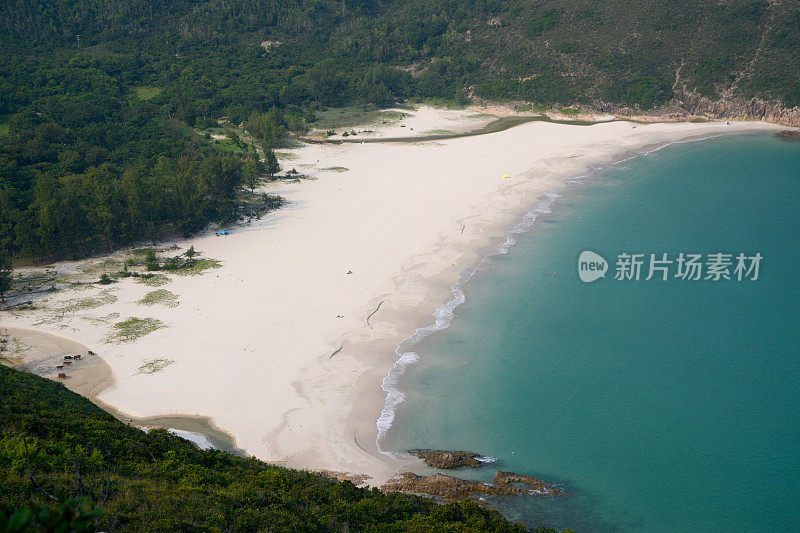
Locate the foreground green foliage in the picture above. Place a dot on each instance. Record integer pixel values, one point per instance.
(61, 456)
(75, 515)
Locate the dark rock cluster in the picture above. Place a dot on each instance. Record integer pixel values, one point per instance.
(447, 459)
(453, 488)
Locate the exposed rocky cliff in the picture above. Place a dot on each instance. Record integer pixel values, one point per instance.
(690, 105)
(738, 108)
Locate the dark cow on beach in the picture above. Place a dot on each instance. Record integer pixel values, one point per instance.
(67, 357)
(77, 356)
(62, 375)
(91, 353)
(59, 367)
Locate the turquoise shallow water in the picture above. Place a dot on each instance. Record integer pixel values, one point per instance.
(659, 405)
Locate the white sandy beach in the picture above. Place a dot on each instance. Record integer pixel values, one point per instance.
(250, 343)
(421, 121)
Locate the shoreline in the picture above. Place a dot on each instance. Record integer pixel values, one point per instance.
(444, 315)
(258, 347)
(38, 352)
(446, 286)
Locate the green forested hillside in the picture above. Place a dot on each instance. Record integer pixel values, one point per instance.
(337, 51)
(101, 101)
(65, 461)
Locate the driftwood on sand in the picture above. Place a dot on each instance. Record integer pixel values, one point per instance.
(372, 313)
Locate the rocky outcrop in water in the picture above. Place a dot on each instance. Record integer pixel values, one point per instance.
(453, 488)
(789, 134)
(510, 480)
(446, 459)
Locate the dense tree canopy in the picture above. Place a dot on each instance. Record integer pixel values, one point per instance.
(101, 102)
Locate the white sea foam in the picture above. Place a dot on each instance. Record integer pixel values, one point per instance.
(394, 396)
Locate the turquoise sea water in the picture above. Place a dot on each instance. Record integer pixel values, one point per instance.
(659, 405)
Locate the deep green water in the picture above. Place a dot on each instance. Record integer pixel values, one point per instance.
(660, 405)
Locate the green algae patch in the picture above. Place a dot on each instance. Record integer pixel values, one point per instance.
(197, 267)
(133, 328)
(160, 297)
(151, 366)
(153, 280)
